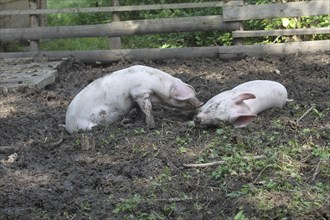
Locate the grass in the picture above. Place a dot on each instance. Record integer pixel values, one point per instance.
(283, 183)
(279, 181)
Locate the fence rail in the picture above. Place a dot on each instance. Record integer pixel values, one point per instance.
(233, 12)
(121, 28)
(298, 31)
(292, 9)
(225, 52)
(116, 8)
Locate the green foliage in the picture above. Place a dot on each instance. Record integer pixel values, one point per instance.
(289, 23)
(92, 43)
(79, 18)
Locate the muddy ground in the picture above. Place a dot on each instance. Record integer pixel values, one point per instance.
(46, 173)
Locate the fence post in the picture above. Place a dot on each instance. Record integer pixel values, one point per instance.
(34, 22)
(115, 42)
(43, 18)
(235, 3)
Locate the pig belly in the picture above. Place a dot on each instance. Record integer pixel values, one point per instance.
(79, 123)
(85, 119)
(93, 106)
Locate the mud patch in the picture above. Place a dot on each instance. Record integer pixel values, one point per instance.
(119, 169)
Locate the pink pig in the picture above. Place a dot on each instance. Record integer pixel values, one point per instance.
(109, 98)
(241, 105)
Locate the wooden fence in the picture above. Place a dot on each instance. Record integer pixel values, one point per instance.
(234, 12)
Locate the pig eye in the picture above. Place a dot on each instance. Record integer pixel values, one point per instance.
(215, 105)
(212, 107)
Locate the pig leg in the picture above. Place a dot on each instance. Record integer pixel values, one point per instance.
(144, 102)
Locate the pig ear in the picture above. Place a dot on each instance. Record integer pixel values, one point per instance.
(243, 120)
(181, 92)
(242, 97)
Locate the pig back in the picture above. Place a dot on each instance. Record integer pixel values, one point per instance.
(268, 94)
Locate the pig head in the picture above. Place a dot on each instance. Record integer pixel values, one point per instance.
(231, 109)
(178, 95)
(181, 96)
(241, 105)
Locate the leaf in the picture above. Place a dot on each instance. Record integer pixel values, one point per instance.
(285, 22)
(240, 216)
(292, 23)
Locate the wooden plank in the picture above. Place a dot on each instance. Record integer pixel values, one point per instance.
(116, 8)
(121, 28)
(14, 21)
(278, 49)
(28, 73)
(292, 9)
(110, 56)
(227, 3)
(298, 31)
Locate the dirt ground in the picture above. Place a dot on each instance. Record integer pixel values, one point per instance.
(46, 173)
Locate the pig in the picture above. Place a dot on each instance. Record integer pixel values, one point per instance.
(108, 99)
(241, 105)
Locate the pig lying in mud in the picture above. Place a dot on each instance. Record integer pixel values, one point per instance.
(109, 98)
(241, 105)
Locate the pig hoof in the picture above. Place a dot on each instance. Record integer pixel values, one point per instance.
(151, 123)
(152, 126)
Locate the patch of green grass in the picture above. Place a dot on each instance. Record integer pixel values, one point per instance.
(129, 208)
(283, 182)
(92, 43)
(163, 180)
(287, 181)
(296, 201)
(128, 205)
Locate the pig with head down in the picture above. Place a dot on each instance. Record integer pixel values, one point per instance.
(109, 98)
(241, 105)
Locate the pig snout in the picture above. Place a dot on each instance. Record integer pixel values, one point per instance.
(196, 103)
(199, 119)
(188, 104)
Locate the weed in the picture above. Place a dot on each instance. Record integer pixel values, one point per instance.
(139, 131)
(318, 113)
(240, 216)
(69, 216)
(169, 209)
(85, 206)
(322, 152)
(128, 205)
(110, 139)
(166, 174)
